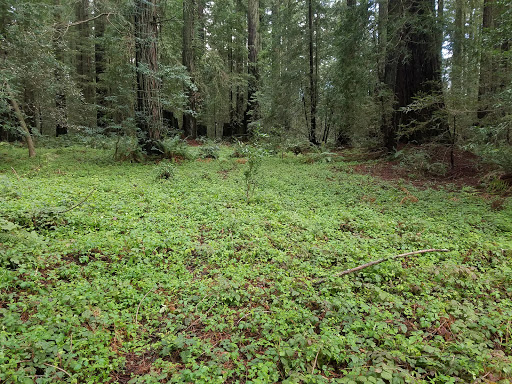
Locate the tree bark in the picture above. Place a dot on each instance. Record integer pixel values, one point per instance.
(488, 67)
(24, 127)
(84, 52)
(413, 69)
(99, 64)
(59, 47)
(148, 107)
(189, 12)
(458, 40)
(253, 18)
(312, 80)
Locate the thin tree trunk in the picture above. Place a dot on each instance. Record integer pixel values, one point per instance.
(84, 52)
(312, 80)
(60, 97)
(251, 111)
(458, 41)
(488, 67)
(99, 63)
(148, 107)
(189, 11)
(19, 115)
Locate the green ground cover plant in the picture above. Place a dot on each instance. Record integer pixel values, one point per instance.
(136, 272)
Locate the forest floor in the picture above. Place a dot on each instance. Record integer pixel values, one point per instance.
(113, 272)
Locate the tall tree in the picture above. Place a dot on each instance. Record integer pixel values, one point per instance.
(189, 18)
(84, 60)
(313, 90)
(253, 22)
(99, 65)
(413, 72)
(352, 70)
(148, 105)
(488, 64)
(59, 46)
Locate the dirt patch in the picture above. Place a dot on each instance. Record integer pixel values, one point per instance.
(136, 365)
(193, 143)
(467, 170)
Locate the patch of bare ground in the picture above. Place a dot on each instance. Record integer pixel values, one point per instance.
(467, 169)
(136, 365)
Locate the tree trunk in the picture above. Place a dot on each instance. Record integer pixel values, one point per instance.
(251, 111)
(59, 47)
(488, 66)
(189, 11)
(19, 115)
(312, 80)
(99, 63)
(458, 43)
(413, 69)
(148, 107)
(84, 52)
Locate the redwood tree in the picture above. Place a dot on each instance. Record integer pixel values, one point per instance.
(251, 112)
(148, 106)
(189, 17)
(413, 73)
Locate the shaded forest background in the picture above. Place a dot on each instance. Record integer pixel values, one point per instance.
(364, 73)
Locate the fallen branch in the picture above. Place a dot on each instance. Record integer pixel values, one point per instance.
(78, 204)
(60, 369)
(346, 272)
(138, 307)
(16, 173)
(314, 362)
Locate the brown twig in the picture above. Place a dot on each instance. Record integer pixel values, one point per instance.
(78, 204)
(60, 369)
(138, 307)
(16, 173)
(88, 20)
(314, 362)
(346, 272)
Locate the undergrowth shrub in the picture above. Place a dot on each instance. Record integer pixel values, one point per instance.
(500, 156)
(301, 147)
(127, 149)
(255, 155)
(177, 149)
(209, 150)
(165, 171)
(240, 149)
(8, 189)
(494, 185)
(421, 162)
(323, 157)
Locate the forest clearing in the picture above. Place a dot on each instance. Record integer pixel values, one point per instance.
(256, 191)
(117, 272)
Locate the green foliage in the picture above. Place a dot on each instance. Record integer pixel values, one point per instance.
(498, 155)
(153, 282)
(209, 150)
(252, 172)
(165, 171)
(8, 189)
(422, 162)
(177, 149)
(128, 149)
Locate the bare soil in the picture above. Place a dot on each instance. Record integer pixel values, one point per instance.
(468, 169)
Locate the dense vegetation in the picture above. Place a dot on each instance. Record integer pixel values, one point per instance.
(219, 164)
(207, 271)
(352, 72)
